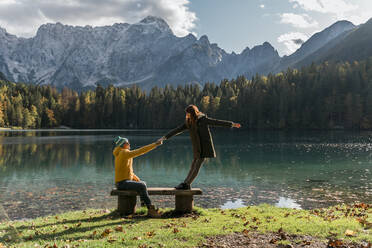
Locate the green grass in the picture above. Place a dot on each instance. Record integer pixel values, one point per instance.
(100, 228)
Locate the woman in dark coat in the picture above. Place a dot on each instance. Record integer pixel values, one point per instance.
(202, 144)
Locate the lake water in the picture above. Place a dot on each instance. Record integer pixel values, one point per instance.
(47, 172)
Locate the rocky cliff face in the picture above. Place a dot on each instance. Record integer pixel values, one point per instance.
(146, 53)
(314, 43)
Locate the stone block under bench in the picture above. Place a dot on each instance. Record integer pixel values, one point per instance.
(127, 199)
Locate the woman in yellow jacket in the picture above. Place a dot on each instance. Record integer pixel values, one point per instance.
(125, 179)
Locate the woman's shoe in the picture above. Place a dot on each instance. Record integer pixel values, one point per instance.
(180, 186)
(152, 212)
(183, 186)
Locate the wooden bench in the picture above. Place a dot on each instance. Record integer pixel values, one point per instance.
(184, 198)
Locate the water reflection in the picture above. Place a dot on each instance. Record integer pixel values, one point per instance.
(48, 172)
(238, 203)
(287, 203)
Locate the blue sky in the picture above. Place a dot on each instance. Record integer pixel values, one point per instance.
(236, 24)
(232, 24)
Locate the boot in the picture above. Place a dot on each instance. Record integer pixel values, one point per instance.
(183, 186)
(152, 212)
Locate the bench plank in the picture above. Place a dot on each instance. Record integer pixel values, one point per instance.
(160, 191)
(184, 198)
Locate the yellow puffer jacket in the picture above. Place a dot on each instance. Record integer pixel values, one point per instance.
(124, 161)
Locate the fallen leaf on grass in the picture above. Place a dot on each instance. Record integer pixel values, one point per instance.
(150, 234)
(175, 230)
(254, 219)
(78, 224)
(361, 205)
(245, 232)
(305, 242)
(143, 246)
(29, 238)
(111, 240)
(137, 238)
(119, 228)
(335, 244)
(106, 232)
(235, 215)
(169, 225)
(254, 227)
(362, 221)
(273, 241)
(366, 224)
(350, 233)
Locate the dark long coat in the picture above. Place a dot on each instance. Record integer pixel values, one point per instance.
(200, 135)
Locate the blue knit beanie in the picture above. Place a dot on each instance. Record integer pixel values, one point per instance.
(119, 141)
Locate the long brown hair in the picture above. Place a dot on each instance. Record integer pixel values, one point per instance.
(194, 113)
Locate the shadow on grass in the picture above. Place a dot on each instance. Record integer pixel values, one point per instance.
(114, 217)
(175, 214)
(110, 216)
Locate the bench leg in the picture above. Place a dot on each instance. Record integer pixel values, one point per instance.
(184, 203)
(126, 204)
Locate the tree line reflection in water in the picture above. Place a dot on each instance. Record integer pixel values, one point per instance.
(256, 168)
(238, 159)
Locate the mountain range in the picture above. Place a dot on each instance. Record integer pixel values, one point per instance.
(148, 54)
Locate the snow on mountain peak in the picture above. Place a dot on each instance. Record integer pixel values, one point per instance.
(157, 22)
(2, 30)
(204, 40)
(146, 52)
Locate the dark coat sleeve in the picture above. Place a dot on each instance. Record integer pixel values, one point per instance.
(218, 123)
(176, 131)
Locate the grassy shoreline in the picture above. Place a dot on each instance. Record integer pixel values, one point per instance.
(104, 228)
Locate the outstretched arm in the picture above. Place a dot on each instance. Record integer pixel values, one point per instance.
(142, 150)
(218, 123)
(221, 123)
(178, 130)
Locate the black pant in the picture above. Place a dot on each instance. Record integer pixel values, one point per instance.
(140, 187)
(194, 170)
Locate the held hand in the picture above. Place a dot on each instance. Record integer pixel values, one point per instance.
(160, 141)
(236, 125)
